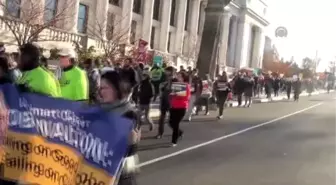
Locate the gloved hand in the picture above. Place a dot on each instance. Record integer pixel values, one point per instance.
(23, 88)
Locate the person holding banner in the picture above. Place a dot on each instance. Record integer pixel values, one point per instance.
(179, 103)
(114, 93)
(34, 78)
(4, 71)
(74, 82)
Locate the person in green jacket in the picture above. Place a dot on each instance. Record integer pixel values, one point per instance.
(157, 76)
(34, 77)
(74, 82)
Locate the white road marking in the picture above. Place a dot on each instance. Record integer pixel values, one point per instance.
(224, 137)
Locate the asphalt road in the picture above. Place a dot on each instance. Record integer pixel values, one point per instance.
(283, 143)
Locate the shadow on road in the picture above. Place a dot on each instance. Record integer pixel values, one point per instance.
(154, 146)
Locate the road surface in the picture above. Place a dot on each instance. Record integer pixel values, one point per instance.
(282, 143)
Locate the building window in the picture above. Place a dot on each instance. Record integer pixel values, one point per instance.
(133, 32)
(137, 6)
(156, 13)
(187, 16)
(115, 2)
(50, 10)
(82, 18)
(13, 8)
(110, 26)
(169, 41)
(152, 41)
(172, 13)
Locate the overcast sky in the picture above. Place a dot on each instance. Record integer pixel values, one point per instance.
(311, 26)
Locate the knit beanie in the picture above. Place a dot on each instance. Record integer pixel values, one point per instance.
(114, 79)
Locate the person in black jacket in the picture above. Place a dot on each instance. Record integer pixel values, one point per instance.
(288, 85)
(221, 89)
(129, 73)
(145, 95)
(239, 86)
(165, 89)
(4, 71)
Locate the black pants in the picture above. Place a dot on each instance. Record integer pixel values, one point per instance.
(203, 101)
(288, 94)
(221, 102)
(156, 89)
(175, 118)
(239, 98)
(276, 92)
(296, 96)
(163, 114)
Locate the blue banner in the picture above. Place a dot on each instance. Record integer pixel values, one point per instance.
(58, 142)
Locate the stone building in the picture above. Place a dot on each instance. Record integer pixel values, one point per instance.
(171, 27)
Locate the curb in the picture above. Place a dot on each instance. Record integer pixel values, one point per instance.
(275, 99)
(155, 112)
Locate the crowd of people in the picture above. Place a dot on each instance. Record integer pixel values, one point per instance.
(129, 89)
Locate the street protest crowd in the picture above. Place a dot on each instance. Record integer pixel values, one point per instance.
(128, 89)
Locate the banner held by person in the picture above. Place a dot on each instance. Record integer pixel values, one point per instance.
(58, 142)
(179, 89)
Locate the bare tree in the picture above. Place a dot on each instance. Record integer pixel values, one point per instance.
(112, 37)
(27, 19)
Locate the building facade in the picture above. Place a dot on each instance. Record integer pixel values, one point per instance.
(171, 27)
(233, 35)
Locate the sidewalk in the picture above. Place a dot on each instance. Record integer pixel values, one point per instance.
(155, 112)
(281, 97)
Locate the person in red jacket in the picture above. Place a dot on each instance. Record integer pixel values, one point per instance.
(179, 102)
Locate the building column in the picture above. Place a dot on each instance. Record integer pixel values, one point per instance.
(147, 21)
(182, 10)
(70, 8)
(223, 42)
(202, 17)
(193, 36)
(233, 40)
(2, 8)
(165, 23)
(243, 38)
(101, 17)
(261, 48)
(126, 19)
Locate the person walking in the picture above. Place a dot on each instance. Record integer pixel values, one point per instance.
(248, 90)
(34, 78)
(297, 88)
(179, 102)
(239, 86)
(196, 88)
(157, 75)
(145, 95)
(114, 92)
(288, 85)
(73, 82)
(164, 99)
(221, 89)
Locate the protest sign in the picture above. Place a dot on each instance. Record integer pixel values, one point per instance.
(58, 142)
(179, 89)
(206, 87)
(158, 60)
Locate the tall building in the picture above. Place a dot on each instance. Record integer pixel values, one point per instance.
(233, 35)
(172, 27)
